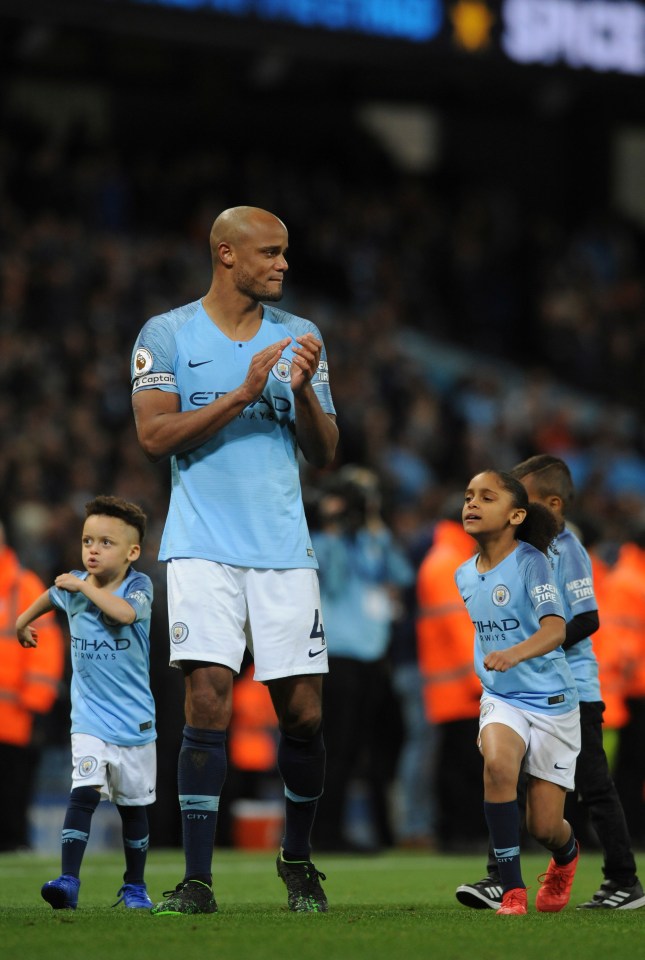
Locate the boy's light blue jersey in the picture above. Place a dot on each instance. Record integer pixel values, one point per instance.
(111, 696)
(573, 573)
(506, 605)
(235, 498)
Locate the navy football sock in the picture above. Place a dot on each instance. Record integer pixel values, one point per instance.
(134, 821)
(503, 821)
(567, 852)
(83, 801)
(302, 767)
(200, 776)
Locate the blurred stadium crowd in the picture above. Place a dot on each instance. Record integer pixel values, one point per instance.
(459, 331)
(462, 330)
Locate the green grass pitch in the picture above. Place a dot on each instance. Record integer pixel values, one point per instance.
(399, 906)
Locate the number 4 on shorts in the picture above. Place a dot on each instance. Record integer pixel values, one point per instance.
(318, 631)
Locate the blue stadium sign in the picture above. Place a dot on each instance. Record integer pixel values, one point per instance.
(413, 20)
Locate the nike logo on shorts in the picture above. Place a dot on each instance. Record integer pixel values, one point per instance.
(199, 363)
(316, 653)
(557, 767)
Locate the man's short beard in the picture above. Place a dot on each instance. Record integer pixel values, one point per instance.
(247, 285)
(272, 296)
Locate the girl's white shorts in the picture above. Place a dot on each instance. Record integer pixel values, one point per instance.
(552, 742)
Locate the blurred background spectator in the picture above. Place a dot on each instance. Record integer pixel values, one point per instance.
(449, 207)
(362, 572)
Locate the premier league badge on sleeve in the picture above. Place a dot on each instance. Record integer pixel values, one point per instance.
(142, 361)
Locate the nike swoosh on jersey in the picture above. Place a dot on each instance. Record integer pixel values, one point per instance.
(198, 363)
(316, 653)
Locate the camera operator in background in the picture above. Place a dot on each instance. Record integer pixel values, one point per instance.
(362, 571)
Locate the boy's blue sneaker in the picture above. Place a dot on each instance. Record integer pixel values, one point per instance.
(134, 896)
(62, 893)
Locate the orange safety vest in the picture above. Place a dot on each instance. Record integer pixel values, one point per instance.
(620, 641)
(253, 730)
(445, 633)
(29, 677)
(610, 673)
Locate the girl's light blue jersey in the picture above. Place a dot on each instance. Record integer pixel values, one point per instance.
(506, 605)
(235, 498)
(573, 574)
(111, 697)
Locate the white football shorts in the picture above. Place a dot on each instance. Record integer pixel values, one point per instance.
(216, 610)
(126, 775)
(552, 742)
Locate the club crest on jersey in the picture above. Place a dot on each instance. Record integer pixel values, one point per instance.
(87, 766)
(178, 632)
(501, 595)
(282, 370)
(142, 361)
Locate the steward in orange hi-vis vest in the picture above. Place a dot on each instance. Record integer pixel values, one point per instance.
(29, 678)
(452, 690)
(253, 732)
(623, 632)
(623, 617)
(30, 682)
(614, 659)
(444, 629)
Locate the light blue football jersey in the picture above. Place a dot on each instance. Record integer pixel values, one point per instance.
(236, 498)
(506, 605)
(573, 573)
(111, 696)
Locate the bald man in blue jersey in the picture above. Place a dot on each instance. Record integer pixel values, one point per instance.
(231, 389)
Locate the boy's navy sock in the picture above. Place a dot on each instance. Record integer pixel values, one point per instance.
(83, 801)
(136, 840)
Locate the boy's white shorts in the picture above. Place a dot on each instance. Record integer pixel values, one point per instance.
(126, 775)
(552, 742)
(216, 610)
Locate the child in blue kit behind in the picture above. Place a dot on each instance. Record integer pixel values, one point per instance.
(108, 606)
(529, 708)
